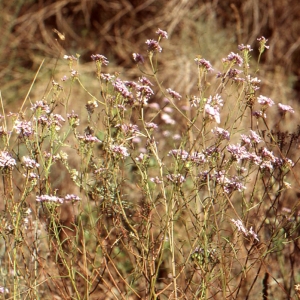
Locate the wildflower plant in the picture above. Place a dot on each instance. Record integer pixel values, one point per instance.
(145, 198)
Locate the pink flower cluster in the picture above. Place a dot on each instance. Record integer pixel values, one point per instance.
(240, 226)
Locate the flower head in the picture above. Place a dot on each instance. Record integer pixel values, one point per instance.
(88, 139)
(29, 163)
(203, 63)
(243, 229)
(138, 58)
(143, 93)
(145, 81)
(262, 44)
(49, 198)
(71, 197)
(174, 94)
(238, 152)
(6, 161)
(285, 108)
(151, 125)
(222, 133)
(121, 150)
(3, 290)
(100, 59)
(121, 87)
(240, 226)
(156, 180)
(179, 154)
(252, 138)
(153, 46)
(176, 178)
(212, 112)
(70, 57)
(73, 119)
(42, 105)
(162, 33)
(242, 47)
(107, 77)
(235, 58)
(265, 101)
(23, 128)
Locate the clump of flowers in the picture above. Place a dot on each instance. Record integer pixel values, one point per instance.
(122, 151)
(174, 94)
(153, 46)
(49, 198)
(222, 133)
(29, 163)
(212, 107)
(285, 108)
(234, 58)
(162, 33)
(56, 199)
(265, 101)
(51, 121)
(23, 128)
(138, 58)
(100, 59)
(204, 64)
(6, 160)
(176, 178)
(240, 226)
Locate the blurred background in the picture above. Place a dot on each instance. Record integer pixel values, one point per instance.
(116, 29)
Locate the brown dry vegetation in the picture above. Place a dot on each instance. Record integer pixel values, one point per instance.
(116, 29)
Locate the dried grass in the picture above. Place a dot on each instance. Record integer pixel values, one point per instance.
(118, 28)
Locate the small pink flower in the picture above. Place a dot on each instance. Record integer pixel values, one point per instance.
(222, 133)
(151, 125)
(253, 234)
(265, 101)
(262, 43)
(212, 112)
(162, 33)
(72, 197)
(107, 77)
(29, 163)
(179, 153)
(145, 81)
(242, 47)
(174, 94)
(23, 128)
(70, 57)
(138, 58)
(285, 108)
(156, 180)
(6, 161)
(235, 58)
(167, 119)
(42, 105)
(205, 64)
(245, 231)
(240, 226)
(49, 198)
(176, 178)
(3, 290)
(88, 139)
(100, 58)
(120, 150)
(153, 46)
